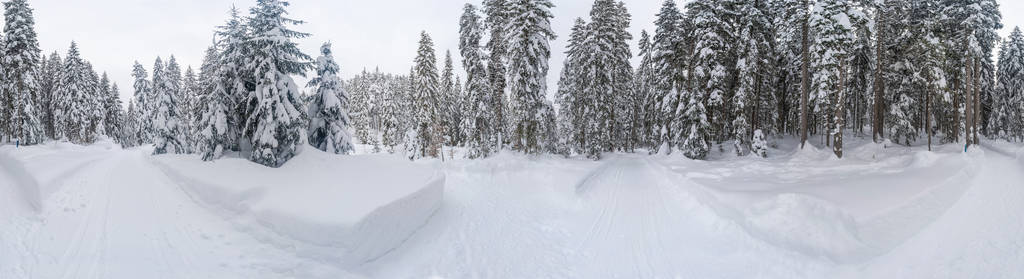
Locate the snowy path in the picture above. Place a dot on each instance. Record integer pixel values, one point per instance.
(121, 218)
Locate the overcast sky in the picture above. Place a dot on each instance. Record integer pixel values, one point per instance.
(113, 34)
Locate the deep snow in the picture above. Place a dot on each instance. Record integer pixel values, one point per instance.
(885, 211)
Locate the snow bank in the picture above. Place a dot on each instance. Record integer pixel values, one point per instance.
(804, 223)
(36, 172)
(356, 208)
(18, 182)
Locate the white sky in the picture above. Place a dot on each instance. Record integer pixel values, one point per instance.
(112, 34)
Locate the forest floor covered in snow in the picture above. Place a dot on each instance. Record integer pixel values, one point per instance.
(884, 211)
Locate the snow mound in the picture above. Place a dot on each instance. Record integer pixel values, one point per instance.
(356, 208)
(804, 223)
(17, 182)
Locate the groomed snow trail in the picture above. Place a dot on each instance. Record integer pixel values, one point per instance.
(624, 218)
(120, 217)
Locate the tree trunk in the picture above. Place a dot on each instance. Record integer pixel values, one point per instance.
(969, 102)
(839, 119)
(977, 99)
(805, 76)
(928, 113)
(877, 132)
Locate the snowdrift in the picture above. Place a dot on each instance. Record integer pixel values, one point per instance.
(350, 208)
(36, 172)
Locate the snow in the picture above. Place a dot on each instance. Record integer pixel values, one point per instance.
(884, 211)
(362, 206)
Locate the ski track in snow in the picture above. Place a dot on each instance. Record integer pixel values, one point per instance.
(117, 215)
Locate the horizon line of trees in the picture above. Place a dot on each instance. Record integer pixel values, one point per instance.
(718, 72)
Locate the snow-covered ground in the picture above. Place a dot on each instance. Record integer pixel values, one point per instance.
(882, 212)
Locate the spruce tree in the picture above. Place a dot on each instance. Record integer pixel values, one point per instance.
(142, 88)
(645, 83)
(48, 77)
(21, 57)
(498, 16)
(833, 27)
(213, 129)
(275, 124)
(1008, 110)
(426, 101)
(529, 32)
(477, 125)
(167, 127)
(670, 55)
(753, 48)
(329, 110)
(70, 99)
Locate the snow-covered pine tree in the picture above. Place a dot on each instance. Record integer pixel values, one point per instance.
(710, 58)
(833, 26)
(275, 124)
(644, 84)
(477, 124)
(93, 103)
(190, 88)
(131, 124)
(213, 129)
(20, 61)
(70, 98)
(111, 107)
(449, 110)
(235, 75)
(529, 32)
(753, 48)
(115, 114)
(625, 99)
(498, 16)
(142, 88)
(173, 83)
(1007, 101)
(572, 103)
(329, 120)
(900, 70)
(696, 144)
(47, 76)
(167, 133)
(426, 101)
(670, 55)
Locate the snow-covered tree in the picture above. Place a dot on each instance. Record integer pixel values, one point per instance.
(168, 137)
(477, 124)
(670, 55)
(711, 56)
(833, 25)
(142, 88)
(1008, 101)
(329, 109)
(71, 109)
(695, 145)
(113, 116)
(754, 40)
(20, 61)
(47, 77)
(190, 88)
(498, 14)
(426, 102)
(276, 122)
(213, 127)
(450, 110)
(529, 32)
